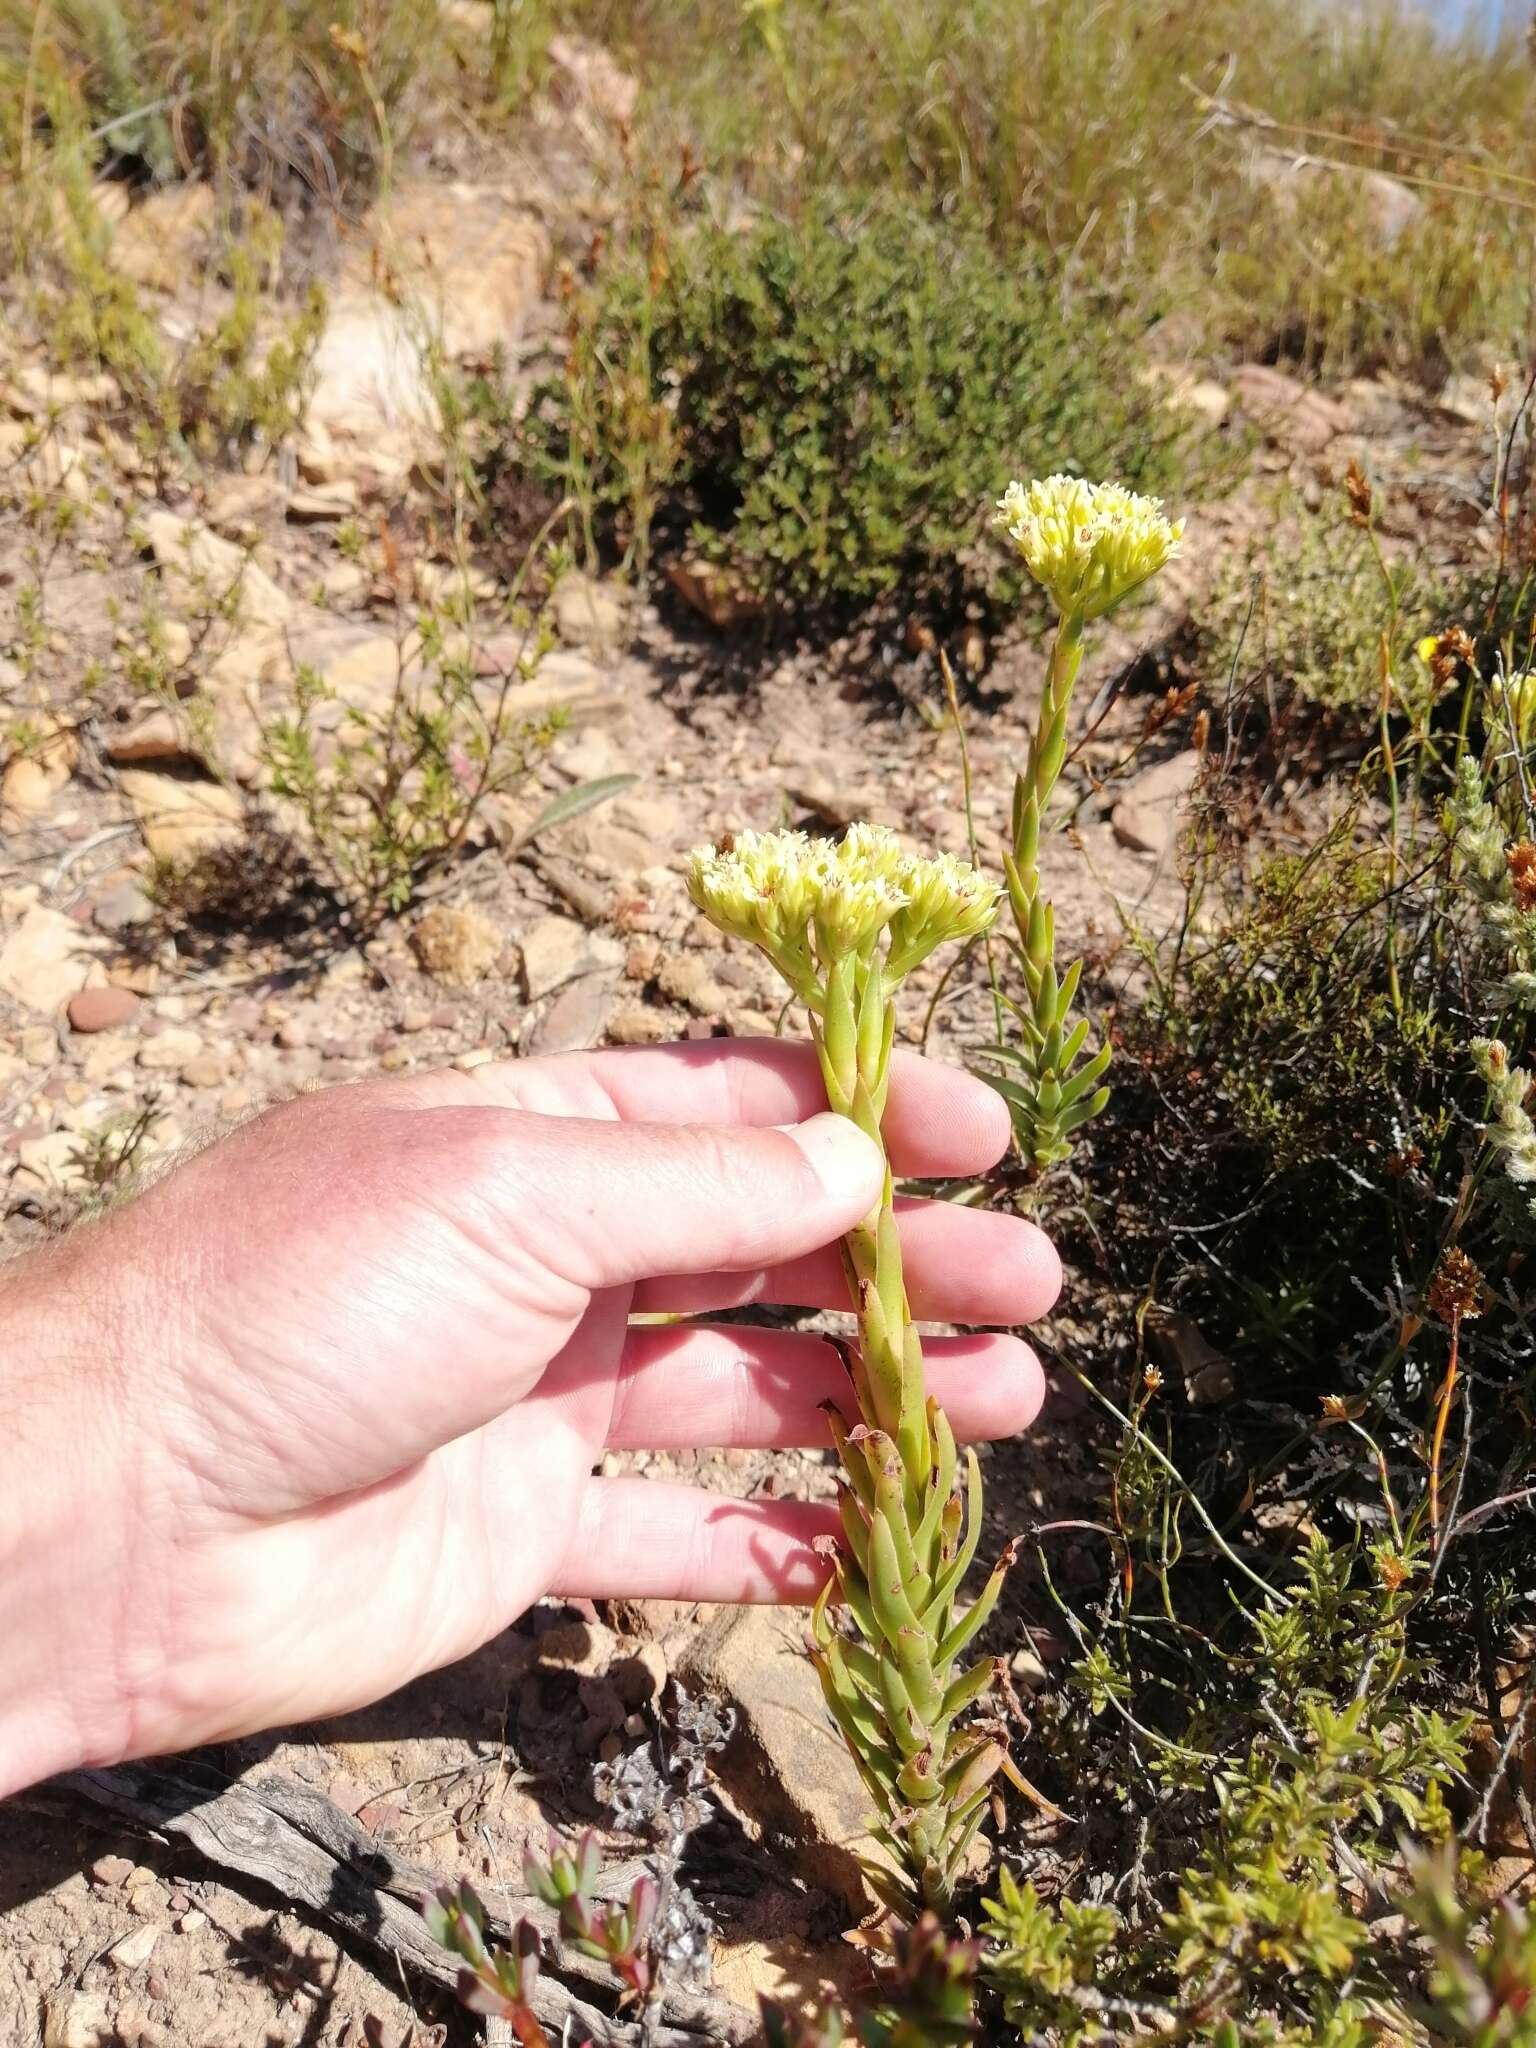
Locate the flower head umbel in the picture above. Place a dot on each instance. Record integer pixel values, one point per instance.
(1088, 545)
(809, 903)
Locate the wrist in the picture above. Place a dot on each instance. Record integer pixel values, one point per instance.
(72, 1460)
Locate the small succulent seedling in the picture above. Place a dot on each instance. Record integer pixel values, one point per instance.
(844, 924)
(1088, 546)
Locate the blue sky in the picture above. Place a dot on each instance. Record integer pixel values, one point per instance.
(1460, 13)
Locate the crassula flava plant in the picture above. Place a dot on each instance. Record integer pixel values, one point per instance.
(1088, 546)
(844, 924)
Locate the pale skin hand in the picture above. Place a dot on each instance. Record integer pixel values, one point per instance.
(319, 1412)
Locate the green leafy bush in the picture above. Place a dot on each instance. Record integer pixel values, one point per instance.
(1298, 623)
(834, 400)
(1318, 277)
(1086, 136)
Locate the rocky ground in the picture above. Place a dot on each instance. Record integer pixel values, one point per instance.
(130, 1031)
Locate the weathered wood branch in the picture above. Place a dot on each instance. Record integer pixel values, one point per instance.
(301, 1845)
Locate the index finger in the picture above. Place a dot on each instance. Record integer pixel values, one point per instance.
(939, 1120)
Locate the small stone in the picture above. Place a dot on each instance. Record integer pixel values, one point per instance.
(641, 1676)
(122, 907)
(395, 1060)
(203, 570)
(750, 1023)
(133, 1950)
(189, 1923)
(76, 2019)
(52, 1161)
(39, 1045)
(784, 1766)
(112, 1869)
(138, 1877)
(457, 943)
(642, 960)
(207, 1070)
(445, 1018)
(313, 503)
(687, 979)
(181, 816)
(655, 818)
(178, 1902)
(1149, 814)
(589, 756)
(170, 1050)
(1027, 1669)
(576, 1019)
(589, 613)
(291, 1035)
(142, 976)
(44, 960)
(106, 1056)
(416, 1019)
(585, 1647)
(316, 454)
(155, 735)
(102, 1009)
(638, 1024)
(556, 950)
(33, 776)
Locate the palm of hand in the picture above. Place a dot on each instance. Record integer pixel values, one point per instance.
(369, 1443)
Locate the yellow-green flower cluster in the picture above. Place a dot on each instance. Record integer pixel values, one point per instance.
(809, 903)
(1509, 1129)
(1088, 545)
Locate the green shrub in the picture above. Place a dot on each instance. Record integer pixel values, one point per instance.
(1298, 623)
(1315, 277)
(1083, 135)
(835, 400)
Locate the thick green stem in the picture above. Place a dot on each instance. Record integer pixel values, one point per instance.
(896, 1695)
(1056, 1098)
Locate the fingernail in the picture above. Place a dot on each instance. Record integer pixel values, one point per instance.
(849, 1165)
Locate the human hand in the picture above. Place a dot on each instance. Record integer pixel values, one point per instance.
(319, 1412)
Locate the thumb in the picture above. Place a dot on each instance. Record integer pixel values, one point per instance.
(604, 1204)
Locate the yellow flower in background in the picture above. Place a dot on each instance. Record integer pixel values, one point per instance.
(1088, 545)
(1520, 695)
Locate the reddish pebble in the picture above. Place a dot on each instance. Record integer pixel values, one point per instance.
(81, 912)
(102, 1009)
(384, 1042)
(445, 1018)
